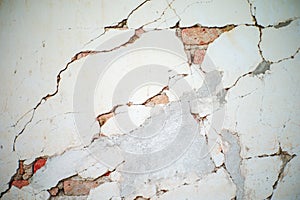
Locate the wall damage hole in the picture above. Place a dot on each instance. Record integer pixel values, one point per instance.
(262, 68)
(77, 186)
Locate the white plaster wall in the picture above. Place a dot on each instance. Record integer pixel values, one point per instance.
(149, 99)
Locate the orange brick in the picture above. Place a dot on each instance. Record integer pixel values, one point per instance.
(20, 183)
(78, 187)
(38, 164)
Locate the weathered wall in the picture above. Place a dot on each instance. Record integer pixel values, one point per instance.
(150, 99)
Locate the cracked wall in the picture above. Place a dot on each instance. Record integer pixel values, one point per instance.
(150, 99)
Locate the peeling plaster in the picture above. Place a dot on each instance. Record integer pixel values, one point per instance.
(230, 105)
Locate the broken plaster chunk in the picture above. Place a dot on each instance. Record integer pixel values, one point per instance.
(288, 185)
(193, 165)
(202, 106)
(93, 171)
(105, 191)
(234, 53)
(8, 166)
(214, 143)
(281, 43)
(69, 164)
(188, 79)
(111, 128)
(231, 149)
(25, 193)
(243, 115)
(206, 12)
(36, 75)
(260, 175)
(272, 12)
(280, 105)
(136, 72)
(214, 186)
(47, 127)
(217, 155)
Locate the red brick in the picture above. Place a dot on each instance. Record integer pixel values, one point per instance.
(53, 191)
(38, 164)
(199, 56)
(79, 187)
(21, 167)
(200, 35)
(20, 183)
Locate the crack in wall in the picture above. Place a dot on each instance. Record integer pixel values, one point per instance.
(233, 161)
(286, 158)
(280, 153)
(280, 24)
(120, 25)
(160, 17)
(77, 56)
(49, 95)
(159, 98)
(24, 172)
(260, 27)
(260, 69)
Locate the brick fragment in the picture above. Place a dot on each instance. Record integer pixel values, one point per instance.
(39, 164)
(20, 183)
(78, 187)
(199, 56)
(53, 191)
(201, 35)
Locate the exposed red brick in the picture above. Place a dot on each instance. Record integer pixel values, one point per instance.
(78, 187)
(199, 56)
(201, 35)
(20, 183)
(53, 191)
(21, 167)
(38, 164)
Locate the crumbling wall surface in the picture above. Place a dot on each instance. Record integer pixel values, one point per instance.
(150, 99)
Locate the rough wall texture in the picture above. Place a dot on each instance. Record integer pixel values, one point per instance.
(175, 99)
